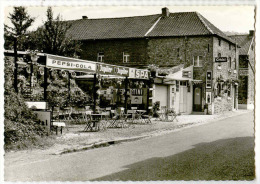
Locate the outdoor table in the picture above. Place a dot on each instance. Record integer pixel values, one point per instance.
(95, 123)
(56, 125)
(140, 114)
(119, 121)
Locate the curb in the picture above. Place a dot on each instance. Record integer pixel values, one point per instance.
(101, 144)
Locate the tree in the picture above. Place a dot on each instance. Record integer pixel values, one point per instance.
(21, 21)
(51, 38)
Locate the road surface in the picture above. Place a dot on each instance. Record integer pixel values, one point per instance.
(102, 162)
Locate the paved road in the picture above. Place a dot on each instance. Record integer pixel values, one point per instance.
(92, 164)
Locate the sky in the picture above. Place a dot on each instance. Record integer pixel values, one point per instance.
(226, 18)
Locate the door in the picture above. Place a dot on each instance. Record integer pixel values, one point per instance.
(197, 98)
(234, 97)
(183, 97)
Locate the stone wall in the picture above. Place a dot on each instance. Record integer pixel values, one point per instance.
(223, 104)
(225, 70)
(178, 50)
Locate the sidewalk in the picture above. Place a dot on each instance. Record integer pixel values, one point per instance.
(76, 140)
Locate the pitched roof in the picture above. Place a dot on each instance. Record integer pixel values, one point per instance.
(244, 41)
(127, 27)
(177, 24)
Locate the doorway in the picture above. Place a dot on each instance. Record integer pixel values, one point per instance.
(197, 98)
(183, 96)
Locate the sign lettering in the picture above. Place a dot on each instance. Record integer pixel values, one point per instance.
(221, 59)
(70, 64)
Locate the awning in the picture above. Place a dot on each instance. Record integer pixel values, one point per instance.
(197, 81)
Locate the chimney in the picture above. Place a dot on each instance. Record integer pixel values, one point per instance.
(251, 33)
(165, 12)
(84, 17)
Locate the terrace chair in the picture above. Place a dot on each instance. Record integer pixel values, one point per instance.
(56, 113)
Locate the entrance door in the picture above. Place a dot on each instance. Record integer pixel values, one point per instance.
(197, 99)
(183, 98)
(234, 97)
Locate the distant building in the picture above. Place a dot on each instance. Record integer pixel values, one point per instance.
(246, 70)
(168, 40)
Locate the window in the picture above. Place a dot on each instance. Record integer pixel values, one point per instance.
(126, 57)
(230, 62)
(183, 83)
(197, 61)
(235, 64)
(100, 57)
(219, 42)
(178, 52)
(219, 54)
(177, 86)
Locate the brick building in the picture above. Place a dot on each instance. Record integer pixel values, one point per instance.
(246, 70)
(168, 40)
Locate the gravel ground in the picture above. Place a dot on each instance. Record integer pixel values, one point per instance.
(75, 138)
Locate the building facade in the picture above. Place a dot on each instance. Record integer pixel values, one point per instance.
(246, 70)
(168, 40)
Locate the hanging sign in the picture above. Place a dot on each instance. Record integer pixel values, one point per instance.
(221, 59)
(209, 80)
(121, 71)
(105, 69)
(70, 64)
(138, 73)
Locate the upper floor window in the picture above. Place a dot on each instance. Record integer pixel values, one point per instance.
(229, 62)
(235, 64)
(126, 57)
(219, 42)
(100, 57)
(219, 54)
(178, 52)
(197, 61)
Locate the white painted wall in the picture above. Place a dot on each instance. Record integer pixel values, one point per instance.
(161, 94)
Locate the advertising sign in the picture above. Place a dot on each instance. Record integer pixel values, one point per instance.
(208, 97)
(186, 74)
(138, 73)
(209, 80)
(136, 99)
(70, 64)
(121, 71)
(221, 59)
(243, 72)
(105, 69)
(137, 92)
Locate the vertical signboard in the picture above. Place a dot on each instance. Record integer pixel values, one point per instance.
(209, 80)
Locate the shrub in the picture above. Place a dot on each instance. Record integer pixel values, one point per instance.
(21, 126)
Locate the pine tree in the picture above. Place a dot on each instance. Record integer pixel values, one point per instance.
(21, 21)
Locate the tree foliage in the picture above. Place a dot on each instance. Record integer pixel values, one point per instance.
(51, 38)
(21, 21)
